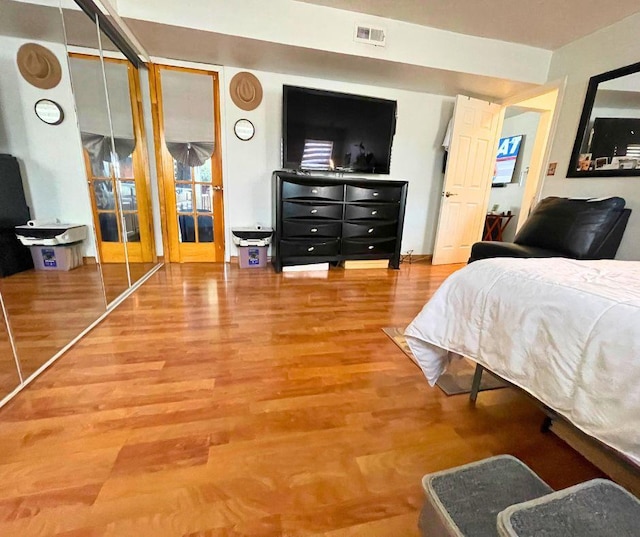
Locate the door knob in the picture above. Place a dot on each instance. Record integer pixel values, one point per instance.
(217, 188)
(448, 194)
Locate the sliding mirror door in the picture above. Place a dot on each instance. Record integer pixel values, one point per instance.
(109, 103)
(42, 179)
(9, 375)
(131, 169)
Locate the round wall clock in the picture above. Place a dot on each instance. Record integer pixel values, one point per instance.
(244, 129)
(49, 112)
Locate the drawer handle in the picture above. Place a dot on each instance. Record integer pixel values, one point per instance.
(314, 190)
(314, 211)
(371, 247)
(375, 194)
(370, 230)
(314, 230)
(373, 213)
(310, 249)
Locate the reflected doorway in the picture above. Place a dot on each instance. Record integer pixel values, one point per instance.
(116, 166)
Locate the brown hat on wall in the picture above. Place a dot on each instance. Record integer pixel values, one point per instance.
(246, 91)
(39, 66)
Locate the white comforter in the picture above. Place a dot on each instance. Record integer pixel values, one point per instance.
(566, 331)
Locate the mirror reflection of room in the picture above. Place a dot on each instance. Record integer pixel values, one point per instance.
(9, 374)
(115, 166)
(76, 224)
(49, 279)
(612, 138)
(109, 100)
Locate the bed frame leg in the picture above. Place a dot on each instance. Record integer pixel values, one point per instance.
(475, 385)
(546, 425)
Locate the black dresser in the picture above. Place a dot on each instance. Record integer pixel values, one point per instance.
(327, 219)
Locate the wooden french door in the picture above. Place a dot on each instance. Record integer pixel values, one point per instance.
(118, 181)
(187, 121)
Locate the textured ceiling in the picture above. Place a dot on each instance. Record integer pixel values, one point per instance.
(547, 24)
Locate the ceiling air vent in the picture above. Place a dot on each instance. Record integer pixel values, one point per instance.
(370, 35)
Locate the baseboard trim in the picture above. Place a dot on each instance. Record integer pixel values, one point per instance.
(416, 258)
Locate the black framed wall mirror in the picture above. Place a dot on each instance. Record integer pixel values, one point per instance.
(608, 140)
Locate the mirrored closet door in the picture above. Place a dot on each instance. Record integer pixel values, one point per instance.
(74, 169)
(115, 154)
(42, 181)
(9, 374)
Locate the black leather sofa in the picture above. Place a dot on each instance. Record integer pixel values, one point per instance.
(565, 227)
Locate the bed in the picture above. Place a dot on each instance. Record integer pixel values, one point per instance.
(565, 331)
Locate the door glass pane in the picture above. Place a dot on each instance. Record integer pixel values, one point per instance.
(108, 227)
(186, 229)
(132, 226)
(203, 173)
(123, 161)
(204, 198)
(184, 198)
(181, 172)
(103, 194)
(128, 196)
(205, 229)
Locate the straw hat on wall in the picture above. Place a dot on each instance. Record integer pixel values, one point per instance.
(246, 91)
(39, 66)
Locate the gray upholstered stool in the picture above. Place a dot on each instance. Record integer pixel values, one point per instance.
(595, 508)
(466, 500)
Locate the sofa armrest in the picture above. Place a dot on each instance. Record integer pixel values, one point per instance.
(489, 249)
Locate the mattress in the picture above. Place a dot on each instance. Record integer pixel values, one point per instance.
(566, 331)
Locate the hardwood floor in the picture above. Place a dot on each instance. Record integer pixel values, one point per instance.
(224, 402)
(9, 378)
(47, 309)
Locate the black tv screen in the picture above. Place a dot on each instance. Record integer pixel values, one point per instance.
(325, 130)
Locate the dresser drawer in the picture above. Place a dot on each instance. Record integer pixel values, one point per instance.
(368, 246)
(292, 209)
(309, 247)
(325, 192)
(311, 229)
(371, 212)
(368, 229)
(372, 193)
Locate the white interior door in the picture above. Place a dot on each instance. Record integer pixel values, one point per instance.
(467, 181)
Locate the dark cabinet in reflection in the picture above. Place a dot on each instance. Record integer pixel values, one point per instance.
(14, 257)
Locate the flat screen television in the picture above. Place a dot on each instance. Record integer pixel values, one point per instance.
(506, 160)
(325, 130)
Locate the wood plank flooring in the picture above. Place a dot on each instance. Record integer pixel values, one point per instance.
(224, 402)
(47, 309)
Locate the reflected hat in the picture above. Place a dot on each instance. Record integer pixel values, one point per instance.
(39, 66)
(246, 91)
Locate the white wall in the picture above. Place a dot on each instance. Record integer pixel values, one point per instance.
(607, 49)
(417, 154)
(50, 156)
(509, 198)
(299, 24)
